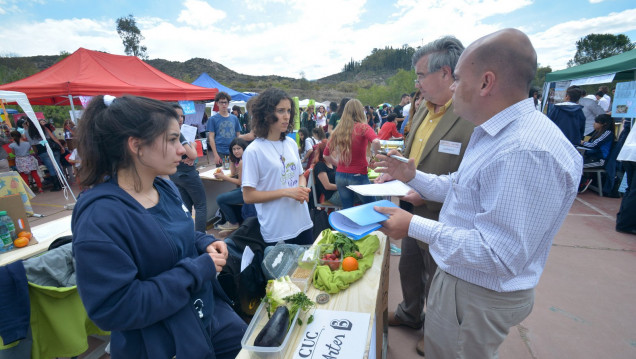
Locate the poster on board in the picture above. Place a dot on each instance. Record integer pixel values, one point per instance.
(624, 102)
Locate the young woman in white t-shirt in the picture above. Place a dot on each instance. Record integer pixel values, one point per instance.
(272, 172)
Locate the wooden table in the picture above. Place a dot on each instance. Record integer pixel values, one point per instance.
(213, 188)
(44, 234)
(374, 284)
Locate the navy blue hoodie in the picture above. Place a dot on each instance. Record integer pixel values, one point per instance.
(156, 300)
(570, 119)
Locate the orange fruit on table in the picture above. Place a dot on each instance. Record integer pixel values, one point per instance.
(25, 234)
(349, 264)
(21, 242)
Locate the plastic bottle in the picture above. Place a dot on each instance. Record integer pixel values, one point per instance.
(4, 218)
(5, 238)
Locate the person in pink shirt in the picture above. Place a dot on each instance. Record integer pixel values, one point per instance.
(348, 149)
(389, 129)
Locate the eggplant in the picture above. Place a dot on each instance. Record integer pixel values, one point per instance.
(273, 333)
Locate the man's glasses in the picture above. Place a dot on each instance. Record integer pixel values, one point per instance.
(422, 77)
(223, 102)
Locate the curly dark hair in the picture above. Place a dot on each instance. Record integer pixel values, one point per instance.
(264, 112)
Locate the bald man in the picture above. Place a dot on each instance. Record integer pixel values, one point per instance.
(502, 207)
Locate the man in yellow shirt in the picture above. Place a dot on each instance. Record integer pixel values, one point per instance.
(437, 142)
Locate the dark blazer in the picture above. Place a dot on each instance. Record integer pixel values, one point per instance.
(450, 128)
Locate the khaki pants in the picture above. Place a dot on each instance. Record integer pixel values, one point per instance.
(417, 269)
(464, 320)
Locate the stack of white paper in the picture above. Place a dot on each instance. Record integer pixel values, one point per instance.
(391, 188)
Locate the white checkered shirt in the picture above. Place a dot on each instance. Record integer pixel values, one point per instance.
(505, 203)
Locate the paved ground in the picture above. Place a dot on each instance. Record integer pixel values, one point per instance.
(584, 305)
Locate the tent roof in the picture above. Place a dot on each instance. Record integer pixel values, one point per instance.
(205, 80)
(90, 73)
(622, 65)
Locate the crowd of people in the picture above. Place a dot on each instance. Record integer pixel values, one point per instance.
(24, 151)
(477, 146)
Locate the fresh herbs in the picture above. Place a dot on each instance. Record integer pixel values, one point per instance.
(299, 301)
(345, 245)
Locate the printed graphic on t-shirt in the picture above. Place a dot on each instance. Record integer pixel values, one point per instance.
(226, 129)
(289, 176)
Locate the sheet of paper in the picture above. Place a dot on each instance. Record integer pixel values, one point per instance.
(189, 132)
(210, 174)
(247, 258)
(391, 188)
(334, 334)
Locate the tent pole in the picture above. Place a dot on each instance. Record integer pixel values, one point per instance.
(70, 100)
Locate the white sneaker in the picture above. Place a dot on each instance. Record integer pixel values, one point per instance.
(227, 226)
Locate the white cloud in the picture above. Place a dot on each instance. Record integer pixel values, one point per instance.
(200, 14)
(293, 36)
(557, 45)
(260, 5)
(43, 38)
(596, 1)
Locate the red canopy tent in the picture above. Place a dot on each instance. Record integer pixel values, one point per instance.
(90, 73)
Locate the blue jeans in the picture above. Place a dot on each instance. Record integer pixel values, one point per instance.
(192, 193)
(46, 160)
(227, 200)
(347, 196)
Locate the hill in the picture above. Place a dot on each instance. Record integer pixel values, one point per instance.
(373, 70)
(16, 68)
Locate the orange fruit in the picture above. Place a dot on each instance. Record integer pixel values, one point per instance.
(349, 264)
(21, 242)
(25, 234)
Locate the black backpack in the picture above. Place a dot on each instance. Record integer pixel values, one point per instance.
(247, 288)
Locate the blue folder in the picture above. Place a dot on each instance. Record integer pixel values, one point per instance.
(357, 222)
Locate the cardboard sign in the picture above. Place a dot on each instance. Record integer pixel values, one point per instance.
(334, 335)
(15, 209)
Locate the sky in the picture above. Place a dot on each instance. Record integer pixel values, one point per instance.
(295, 38)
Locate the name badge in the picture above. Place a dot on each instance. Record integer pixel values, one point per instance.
(450, 147)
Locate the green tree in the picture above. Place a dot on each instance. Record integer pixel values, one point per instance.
(131, 37)
(400, 83)
(63, 55)
(599, 46)
(539, 78)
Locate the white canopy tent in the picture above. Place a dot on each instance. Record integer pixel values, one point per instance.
(23, 102)
(305, 102)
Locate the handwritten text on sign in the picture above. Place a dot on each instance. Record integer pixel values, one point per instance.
(334, 335)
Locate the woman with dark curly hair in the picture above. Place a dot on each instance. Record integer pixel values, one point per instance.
(272, 173)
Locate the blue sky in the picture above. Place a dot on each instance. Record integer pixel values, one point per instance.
(294, 37)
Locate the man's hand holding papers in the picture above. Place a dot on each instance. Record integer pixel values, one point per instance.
(398, 223)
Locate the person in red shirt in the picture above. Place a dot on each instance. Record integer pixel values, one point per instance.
(389, 129)
(348, 149)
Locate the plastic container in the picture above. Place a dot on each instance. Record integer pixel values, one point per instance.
(281, 260)
(256, 325)
(5, 238)
(309, 257)
(4, 218)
